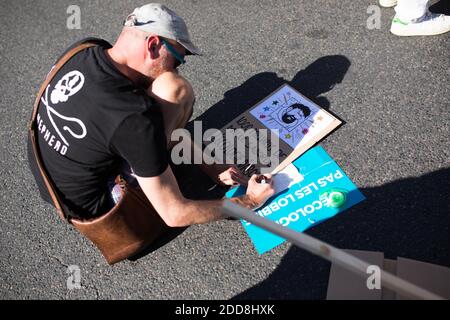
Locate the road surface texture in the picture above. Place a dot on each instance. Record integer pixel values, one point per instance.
(392, 93)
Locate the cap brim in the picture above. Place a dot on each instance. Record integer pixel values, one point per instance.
(190, 47)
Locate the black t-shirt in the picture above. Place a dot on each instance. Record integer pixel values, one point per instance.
(91, 119)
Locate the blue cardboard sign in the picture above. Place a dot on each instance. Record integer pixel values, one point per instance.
(306, 203)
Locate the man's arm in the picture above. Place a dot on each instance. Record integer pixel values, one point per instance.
(177, 211)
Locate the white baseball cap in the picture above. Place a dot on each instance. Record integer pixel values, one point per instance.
(158, 19)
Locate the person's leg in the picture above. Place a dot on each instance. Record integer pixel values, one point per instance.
(410, 10)
(175, 97)
(414, 19)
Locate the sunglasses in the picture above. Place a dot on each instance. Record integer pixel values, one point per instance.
(179, 59)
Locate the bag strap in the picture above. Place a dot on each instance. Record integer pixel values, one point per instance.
(32, 128)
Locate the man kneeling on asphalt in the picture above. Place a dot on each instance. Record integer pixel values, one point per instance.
(115, 105)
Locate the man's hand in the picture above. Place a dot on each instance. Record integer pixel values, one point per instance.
(226, 175)
(259, 191)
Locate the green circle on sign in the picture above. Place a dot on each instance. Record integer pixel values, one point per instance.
(337, 198)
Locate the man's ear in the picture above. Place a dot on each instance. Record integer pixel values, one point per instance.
(153, 45)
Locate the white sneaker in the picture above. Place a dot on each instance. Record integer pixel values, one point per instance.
(430, 24)
(392, 3)
(387, 3)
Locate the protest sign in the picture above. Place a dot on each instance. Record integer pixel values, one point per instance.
(323, 191)
(298, 122)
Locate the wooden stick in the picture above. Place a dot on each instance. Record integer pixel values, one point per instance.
(328, 252)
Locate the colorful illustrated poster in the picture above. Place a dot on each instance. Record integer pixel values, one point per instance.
(292, 116)
(306, 203)
(298, 122)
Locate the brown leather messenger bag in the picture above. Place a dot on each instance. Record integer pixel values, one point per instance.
(130, 226)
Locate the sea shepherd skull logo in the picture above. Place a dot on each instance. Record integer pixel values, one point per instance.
(69, 85)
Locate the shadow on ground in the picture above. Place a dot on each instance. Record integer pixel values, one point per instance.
(407, 218)
(313, 81)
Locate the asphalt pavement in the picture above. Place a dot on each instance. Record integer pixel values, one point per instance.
(391, 92)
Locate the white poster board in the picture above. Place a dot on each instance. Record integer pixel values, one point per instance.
(299, 123)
